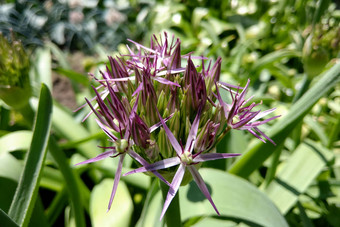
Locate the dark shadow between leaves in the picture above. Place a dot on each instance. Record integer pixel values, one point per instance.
(194, 193)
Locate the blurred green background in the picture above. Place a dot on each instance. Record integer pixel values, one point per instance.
(290, 51)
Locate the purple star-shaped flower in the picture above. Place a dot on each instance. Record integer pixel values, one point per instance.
(240, 116)
(122, 146)
(186, 160)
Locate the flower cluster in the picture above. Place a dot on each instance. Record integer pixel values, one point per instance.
(165, 115)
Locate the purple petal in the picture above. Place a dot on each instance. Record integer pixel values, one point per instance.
(176, 182)
(200, 183)
(163, 164)
(107, 132)
(262, 114)
(118, 79)
(257, 123)
(156, 126)
(213, 156)
(193, 130)
(172, 71)
(142, 161)
(165, 81)
(257, 136)
(222, 103)
(141, 46)
(116, 180)
(245, 120)
(139, 88)
(98, 157)
(227, 86)
(171, 136)
(264, 135)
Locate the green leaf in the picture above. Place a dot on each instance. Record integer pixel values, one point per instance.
(72, 182)
(234, 197)
(5, 220)
(274, 56)
(43, 66)
(18, 140)
(77, 77)
(121, 210)
(297, 173)
(153, 189)
(26, 193)
(259, 151)
(10, 167)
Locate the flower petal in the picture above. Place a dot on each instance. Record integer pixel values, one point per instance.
(116, 180)
(165, 81)
(176, 182)
(99, 157)
(171, 136)
(193, 130)
(213, 156)
(200, 183)
(163, 164)
(142, 161)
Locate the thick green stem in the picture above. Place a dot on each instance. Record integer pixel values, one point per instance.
(173, 214)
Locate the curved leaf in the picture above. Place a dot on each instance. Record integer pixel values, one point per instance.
(26, 193)
(121, 210)
(18, 140)
(234, 197)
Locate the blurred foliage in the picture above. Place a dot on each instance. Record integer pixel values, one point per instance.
(285, 47)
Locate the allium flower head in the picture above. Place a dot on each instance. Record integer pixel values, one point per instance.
(155, 106)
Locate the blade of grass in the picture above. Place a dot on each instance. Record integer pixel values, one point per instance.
(71, 182)
(26, 193)
(259, 152)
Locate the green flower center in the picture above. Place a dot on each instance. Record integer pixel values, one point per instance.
(186, 157)
(121, 145)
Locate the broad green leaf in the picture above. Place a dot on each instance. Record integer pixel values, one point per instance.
(121, 210)
(297, 173)
(10, 167)
(18, 140)
(234, 197)
(259, 151)
(209, 221)
(26, 193)
(5, 220)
